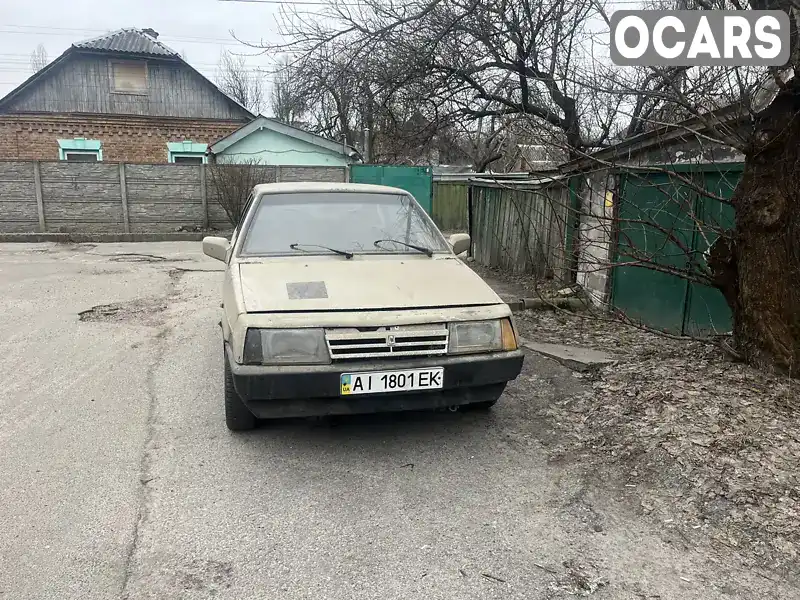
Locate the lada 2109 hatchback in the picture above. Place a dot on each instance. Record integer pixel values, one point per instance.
(346, 298)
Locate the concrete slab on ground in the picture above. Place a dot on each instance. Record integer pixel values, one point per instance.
(574, 357)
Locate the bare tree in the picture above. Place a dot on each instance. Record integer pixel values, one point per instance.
(288, 97)
(237, 80)
(541, 61)
(231, 184)
(39, 59)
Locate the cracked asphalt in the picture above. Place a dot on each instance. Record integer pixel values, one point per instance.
(121, 481)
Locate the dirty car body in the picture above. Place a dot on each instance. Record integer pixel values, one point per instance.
(346, 298)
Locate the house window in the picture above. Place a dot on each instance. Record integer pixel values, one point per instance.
(187, 159)
(80, 156)
(129, 77)
(187, 153)
(80, 150)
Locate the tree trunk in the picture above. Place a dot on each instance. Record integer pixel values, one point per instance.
(764, 258)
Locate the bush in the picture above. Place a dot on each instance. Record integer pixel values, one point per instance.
(231, 184)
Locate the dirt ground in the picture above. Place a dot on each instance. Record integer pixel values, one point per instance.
(708, 448)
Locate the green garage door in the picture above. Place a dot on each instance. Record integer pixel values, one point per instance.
(656, 224)
(706, 309)
(417, 181)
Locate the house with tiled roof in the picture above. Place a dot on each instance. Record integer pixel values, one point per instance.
(122, 97)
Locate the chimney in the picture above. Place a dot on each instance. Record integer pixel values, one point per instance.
(151, 32)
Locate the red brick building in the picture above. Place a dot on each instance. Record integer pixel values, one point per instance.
(122, 97)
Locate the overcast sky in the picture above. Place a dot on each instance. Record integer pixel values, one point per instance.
(199, 29)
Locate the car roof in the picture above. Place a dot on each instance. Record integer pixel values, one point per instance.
(314, 186)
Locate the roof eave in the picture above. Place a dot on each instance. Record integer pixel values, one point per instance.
(626, 148)
(262, 122)
(126, 54)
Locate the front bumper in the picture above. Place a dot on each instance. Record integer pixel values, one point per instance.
(309, 390)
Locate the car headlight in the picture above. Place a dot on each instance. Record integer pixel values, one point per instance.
(285, 346)
(481, 336)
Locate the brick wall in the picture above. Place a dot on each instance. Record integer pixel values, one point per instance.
(58, 196)
(125, 138)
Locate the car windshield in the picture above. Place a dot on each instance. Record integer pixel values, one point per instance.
(344, 221)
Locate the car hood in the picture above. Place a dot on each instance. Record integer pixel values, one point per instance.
(366, 284)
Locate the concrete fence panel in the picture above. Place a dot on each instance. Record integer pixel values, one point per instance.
(81, 197)
(18, 206)
(67, 197)
(163, 198)
(323, 174)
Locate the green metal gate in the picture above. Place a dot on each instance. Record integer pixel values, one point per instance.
(653, 209)
(417, 181)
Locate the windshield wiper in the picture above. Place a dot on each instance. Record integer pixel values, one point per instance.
(344, 253)
(423, 249)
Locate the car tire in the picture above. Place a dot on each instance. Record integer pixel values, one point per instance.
(237, 416)
(494, 392)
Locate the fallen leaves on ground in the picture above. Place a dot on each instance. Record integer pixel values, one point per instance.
(706, 446)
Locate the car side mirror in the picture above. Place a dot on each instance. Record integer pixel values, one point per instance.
(216, 247)
(459, 242)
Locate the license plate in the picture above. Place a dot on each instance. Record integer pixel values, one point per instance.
(378, 382)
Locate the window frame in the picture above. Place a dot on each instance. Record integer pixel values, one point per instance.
(68, 153)
(174, 155)
(113, 82)
(80, 146)
(186, 148)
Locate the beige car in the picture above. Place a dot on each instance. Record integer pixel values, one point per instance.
(346, 298)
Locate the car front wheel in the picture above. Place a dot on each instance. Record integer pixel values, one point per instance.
(237, 416)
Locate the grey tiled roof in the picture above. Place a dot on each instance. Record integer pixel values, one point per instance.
(127, 41)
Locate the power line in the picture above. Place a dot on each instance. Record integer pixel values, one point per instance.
(106, 31)
(224, 41)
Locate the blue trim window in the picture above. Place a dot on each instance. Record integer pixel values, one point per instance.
(80, 150)
(187, 153)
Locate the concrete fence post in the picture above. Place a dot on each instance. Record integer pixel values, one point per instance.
(204, 196)
(123, 190)
(278, 174)
(37, 182)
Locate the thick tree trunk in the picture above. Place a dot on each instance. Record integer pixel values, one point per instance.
(760, 276)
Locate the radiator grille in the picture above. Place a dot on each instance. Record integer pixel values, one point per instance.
(387, 342)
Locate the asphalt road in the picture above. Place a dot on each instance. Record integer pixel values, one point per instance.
(120, 480)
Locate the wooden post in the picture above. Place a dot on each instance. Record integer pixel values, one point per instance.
(37, 182)
(123, 188)
(204, 195)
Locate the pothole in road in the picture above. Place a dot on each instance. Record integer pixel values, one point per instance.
(146, 311)
(134, 257)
